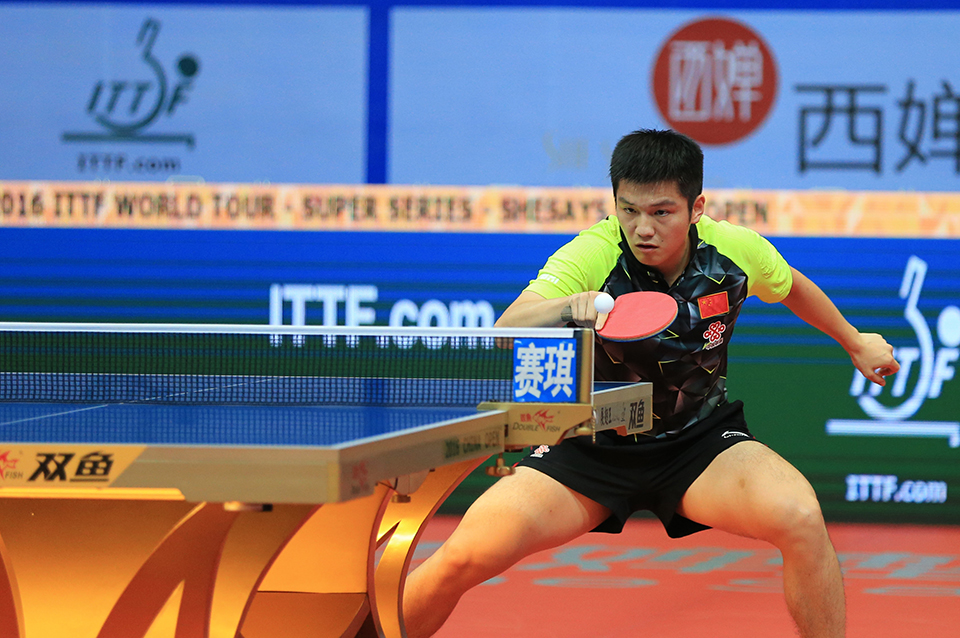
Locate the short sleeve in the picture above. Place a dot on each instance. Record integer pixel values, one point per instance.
(581, 264)
(768, 274)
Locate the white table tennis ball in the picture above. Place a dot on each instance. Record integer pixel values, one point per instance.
(603, 303)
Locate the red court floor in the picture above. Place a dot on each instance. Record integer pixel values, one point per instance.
(901, 582)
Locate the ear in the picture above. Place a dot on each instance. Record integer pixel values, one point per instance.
(698, 206)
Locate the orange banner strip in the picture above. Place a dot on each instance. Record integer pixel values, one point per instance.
(452, 208)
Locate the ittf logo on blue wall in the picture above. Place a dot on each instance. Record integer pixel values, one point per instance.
(936, 366)
(125, 107)
(544, 370)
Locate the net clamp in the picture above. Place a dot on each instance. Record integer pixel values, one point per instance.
(588, 427)
(500, 468)
(240, 506)
(406, 485)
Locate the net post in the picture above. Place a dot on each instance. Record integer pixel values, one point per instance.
(585, 341)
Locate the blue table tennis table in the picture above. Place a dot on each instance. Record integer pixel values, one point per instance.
(199, 518)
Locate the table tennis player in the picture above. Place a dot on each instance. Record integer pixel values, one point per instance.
(700, 467)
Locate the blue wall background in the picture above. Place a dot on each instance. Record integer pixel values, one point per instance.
(793, 379)
(529, 93)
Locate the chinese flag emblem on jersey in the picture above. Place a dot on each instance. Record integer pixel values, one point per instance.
(713, 305)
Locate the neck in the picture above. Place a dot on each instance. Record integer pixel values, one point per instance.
(673, 273)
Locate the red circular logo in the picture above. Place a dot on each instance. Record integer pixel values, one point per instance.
(715, 80)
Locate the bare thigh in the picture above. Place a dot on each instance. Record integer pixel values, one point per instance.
(521, 514)
(749, 490)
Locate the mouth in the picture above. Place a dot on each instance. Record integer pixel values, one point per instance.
(646, 247)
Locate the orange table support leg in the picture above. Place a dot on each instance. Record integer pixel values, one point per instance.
(72, 557)
(11, 611)
(320, 583)
(190, 554)
(142, 562)
(401, 528)
(107, 566)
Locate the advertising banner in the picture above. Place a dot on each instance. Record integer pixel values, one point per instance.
(790, 99)
(148, 93)
(206, 164)
(453, 208)
(872, 453)
(786, 99)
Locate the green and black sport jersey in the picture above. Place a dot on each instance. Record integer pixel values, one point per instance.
(687, 362)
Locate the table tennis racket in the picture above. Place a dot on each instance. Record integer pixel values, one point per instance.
(636, 316)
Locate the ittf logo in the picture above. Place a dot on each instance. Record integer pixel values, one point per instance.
(715, 80)
(125, 107)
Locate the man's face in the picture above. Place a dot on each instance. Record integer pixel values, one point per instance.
(655, 220)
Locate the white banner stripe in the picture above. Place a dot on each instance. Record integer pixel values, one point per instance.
(945, 429)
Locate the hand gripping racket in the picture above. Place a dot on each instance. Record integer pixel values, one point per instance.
(635, 316)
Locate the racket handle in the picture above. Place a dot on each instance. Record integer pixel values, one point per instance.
(566, 314)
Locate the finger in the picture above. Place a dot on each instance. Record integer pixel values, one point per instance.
(876, 378)
(586, 313)
(601, 319)
(877, 375)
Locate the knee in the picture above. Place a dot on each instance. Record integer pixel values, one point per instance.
(797, 523)
(463, 565)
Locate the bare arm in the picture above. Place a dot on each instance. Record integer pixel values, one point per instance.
(533, 310)
(870, 353)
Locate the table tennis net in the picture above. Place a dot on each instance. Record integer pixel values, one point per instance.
(379, 367)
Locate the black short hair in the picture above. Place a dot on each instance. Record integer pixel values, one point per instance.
(649, 156)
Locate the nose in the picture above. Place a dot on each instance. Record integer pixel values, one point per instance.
(644, 227)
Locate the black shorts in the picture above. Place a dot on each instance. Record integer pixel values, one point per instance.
(628, 475)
